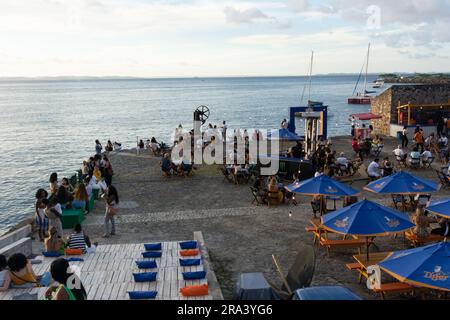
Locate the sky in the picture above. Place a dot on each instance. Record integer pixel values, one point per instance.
(199, 38)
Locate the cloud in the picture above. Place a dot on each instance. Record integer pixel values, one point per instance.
(423, 23)
(298, 5)
(107, 18)
(245, 16)
(253, 15)
(338, 37)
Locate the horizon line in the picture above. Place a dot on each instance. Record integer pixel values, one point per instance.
(76, 77)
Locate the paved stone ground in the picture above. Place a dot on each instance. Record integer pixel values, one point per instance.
(240, 237)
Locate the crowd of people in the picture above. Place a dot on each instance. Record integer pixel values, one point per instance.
(437, 145)
(96, 174)
(213, 135)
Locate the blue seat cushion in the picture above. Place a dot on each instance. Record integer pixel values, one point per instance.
(188, 245)
(189, 262)
(138, 295)
(153, 246)
(145, 276)
(146, 264)
(194, 275)
(152, 254)
(51, 254)
(74, 259)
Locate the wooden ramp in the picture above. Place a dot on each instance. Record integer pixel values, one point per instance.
(107, 274)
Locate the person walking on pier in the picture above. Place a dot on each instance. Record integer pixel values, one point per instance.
(112, 206)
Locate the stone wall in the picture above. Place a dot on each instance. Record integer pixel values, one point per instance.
(387, 102)
(381, 105)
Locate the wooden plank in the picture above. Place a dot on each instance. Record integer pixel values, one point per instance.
(128, 287)
(123, 291)
(91, 291)
(87, 262)
(164, 289)
(85, 277)
(174, 291)
(107, 292)
(99, 293)
(115, 277)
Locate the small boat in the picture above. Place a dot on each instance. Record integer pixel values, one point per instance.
(362, 97)
(378, 83)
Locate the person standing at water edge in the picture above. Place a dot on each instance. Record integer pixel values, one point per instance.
(112, 204)
(53, 181)
(41, 219)
(98, 147)
(54, 214)
(108, 171)
(141, 145)
(224, 130)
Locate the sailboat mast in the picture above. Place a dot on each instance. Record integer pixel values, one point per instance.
(310, 76)
(367, 70)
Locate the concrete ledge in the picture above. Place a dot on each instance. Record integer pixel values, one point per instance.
(213, 284)
(16, 235)
(21, 246)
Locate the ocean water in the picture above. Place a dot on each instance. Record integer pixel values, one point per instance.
(48, 126)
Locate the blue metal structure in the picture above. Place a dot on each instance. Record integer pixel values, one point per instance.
(313, 107)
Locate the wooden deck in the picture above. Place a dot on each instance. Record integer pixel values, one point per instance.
(107, 274)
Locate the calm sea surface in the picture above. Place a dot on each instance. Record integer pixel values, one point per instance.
(48, 126)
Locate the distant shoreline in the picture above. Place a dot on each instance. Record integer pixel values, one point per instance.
(387, 76)
(120, 78)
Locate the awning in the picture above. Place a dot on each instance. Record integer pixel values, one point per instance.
(365, 116)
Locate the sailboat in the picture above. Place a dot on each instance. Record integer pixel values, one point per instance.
(379, 83)
(362, 97)
(310, 71)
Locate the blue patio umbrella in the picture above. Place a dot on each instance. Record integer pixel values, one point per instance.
(427, 266)
(366, 219)
(321, 186)
(284, 134)
(441, 208)
(402, 183)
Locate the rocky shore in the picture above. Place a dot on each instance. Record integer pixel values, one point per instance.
(417, 78)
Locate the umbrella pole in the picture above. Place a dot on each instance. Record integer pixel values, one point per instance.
(321, 206)
(367, 248)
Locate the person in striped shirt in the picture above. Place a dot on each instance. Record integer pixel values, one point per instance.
(78, 240)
